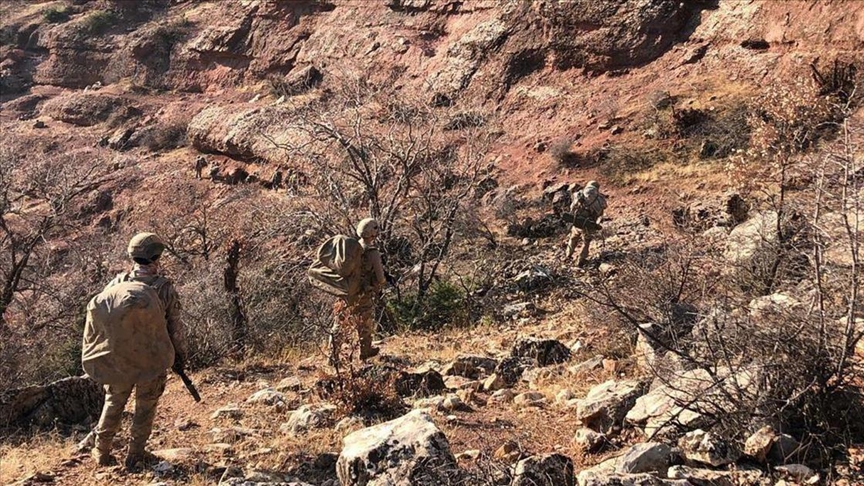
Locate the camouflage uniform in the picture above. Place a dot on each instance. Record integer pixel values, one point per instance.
(358, 309)
(147, 393)
(276, 181)
(200, 163)
(587, 208)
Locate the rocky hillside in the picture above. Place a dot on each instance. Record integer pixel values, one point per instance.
(712, 340)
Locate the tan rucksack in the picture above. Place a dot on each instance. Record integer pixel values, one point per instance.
(126, 337)
(336, 267)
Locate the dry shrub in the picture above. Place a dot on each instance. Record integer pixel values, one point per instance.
(561, 151)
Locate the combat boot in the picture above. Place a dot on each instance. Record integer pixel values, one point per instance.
(369, 352)
(103, 458)
(136, 458)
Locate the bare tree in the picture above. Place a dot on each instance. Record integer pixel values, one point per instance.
(38, 201)
(385, 156)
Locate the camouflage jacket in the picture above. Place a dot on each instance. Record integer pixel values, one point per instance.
(170, 299)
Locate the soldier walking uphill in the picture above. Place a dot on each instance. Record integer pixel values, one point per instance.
(587, 208)
(351, 269)
(132, 336)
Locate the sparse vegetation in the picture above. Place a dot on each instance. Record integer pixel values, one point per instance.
(98, 22)
(57, 15)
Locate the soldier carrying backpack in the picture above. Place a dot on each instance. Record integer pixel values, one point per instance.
(351, 269)
(587, 208)
(132, 336)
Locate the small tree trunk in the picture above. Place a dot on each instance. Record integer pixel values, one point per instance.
(239, 322)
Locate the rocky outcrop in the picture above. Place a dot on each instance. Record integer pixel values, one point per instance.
(604, 36)
(76, 400)
(408, 451)
(244, 133)
(87, 109)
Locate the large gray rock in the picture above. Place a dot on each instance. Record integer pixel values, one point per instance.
(308, 417)
(751, 238)
(706, 448)
(608, 403)
(645, 457)
(668, 407)
(409, 451)
(547, 470)
(769, 445)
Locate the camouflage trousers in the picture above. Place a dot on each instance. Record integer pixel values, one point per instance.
(146, 397)
(575, 235)
(359, 315)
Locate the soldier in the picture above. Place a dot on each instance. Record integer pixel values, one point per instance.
(213, 171)
(276, 181)
(144, 249)
(360, 304)
(200, 163)
(587, 208)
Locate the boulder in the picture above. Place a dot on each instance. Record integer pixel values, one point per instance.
(645, 457)
(589, 440)
(532, 279)
(706, 448)
(751, 238)
(543, 352)
(665, 408)
(308, 417)
(769, 445)
(87, 109)
(546, 470)
(608, 403)
(508, 452)
(300, 80)
(75, 400)
(494, 383)
(408, 451)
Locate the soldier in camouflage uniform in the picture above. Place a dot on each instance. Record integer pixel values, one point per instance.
(359, 306)
(587, 208)
(144, 249)
(200, 163)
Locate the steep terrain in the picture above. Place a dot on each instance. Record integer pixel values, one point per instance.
(659, 100)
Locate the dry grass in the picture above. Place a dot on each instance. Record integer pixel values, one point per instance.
(37, 454)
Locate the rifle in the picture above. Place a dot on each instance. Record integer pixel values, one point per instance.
(187, 382)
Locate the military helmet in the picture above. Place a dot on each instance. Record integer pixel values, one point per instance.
(145, 246)
(593, 184)
(367, 228)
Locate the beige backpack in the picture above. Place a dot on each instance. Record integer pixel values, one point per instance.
(126, 337)
(336, 267)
